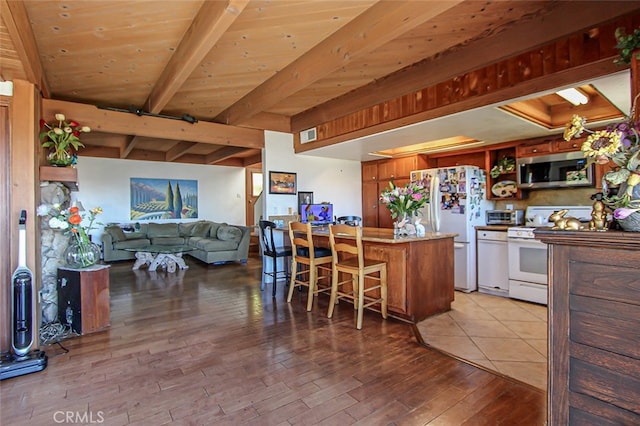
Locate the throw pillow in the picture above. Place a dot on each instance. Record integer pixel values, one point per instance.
(229, 233)
(200, 229)
(116, 233)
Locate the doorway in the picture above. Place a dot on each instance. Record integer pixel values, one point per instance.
(254, 184)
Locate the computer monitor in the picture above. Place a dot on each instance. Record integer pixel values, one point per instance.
(316, 214)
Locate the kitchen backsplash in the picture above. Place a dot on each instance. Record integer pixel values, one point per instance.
(552, 197)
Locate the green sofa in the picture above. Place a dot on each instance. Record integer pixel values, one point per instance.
(212, 241)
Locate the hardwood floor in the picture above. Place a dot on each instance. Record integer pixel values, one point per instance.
(206, 346)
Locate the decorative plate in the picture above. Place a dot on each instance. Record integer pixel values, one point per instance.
(504, 189)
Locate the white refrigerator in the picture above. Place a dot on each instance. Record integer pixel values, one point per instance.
(457, 205)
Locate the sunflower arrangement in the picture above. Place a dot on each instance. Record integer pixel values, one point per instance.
(619, 143)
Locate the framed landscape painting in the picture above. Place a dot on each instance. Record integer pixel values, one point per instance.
(282, 183)
(153, 199)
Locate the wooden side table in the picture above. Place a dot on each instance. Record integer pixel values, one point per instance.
(83, 298)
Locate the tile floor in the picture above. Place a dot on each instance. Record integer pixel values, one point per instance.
(501, 334)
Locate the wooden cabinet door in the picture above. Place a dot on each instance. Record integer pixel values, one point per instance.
(370, 204)
(395, 255)
(370, 171)
(386, 170)
(534, 149)
(404, 166)
(561, 145)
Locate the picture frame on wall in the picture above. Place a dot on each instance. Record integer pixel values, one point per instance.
(282, 183)
(305, 197)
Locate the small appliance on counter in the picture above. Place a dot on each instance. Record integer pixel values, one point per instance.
(505, 217)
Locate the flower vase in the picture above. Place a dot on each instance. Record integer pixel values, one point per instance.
(404, 227)
(630, 223)
(60, 158)
(82, 254)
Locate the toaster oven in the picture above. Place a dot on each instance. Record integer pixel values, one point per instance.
(505, 217)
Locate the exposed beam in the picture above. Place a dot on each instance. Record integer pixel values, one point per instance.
(211, 22)
(178, 150)
(376, 26)
(517, 39)
(18, 26)
(124, 123)
(268, 121)
(129, 144)
(254, 159)
(222, 154)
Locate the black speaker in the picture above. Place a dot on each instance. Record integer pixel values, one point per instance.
(69, 300)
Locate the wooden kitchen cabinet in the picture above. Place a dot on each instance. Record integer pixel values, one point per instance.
(539, 148)
(594, 344)
(493, 158)
(370, 171)
(370, 204)
(376, 176)
(399, 168)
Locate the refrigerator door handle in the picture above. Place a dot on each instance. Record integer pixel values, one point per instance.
(434, 207)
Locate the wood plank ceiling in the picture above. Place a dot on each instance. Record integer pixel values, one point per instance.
(243, 66)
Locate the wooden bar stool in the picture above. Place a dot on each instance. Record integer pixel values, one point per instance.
(348, 258)
(317, 259)
(269, 249)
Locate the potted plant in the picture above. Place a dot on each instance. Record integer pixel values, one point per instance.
(61, 138)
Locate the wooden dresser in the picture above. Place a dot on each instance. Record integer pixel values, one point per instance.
(594, 327)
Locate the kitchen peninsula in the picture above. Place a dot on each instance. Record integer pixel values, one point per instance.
(419, 270)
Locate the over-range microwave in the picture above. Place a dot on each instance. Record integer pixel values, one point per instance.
(565, 170)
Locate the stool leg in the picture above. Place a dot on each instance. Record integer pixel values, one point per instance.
(355, 287)
(383, 290)
(275, 276)
(264, 271)
(313, 272)
(360, 301)
(294, 273)
(334, 292)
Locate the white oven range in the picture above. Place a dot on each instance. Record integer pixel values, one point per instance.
(528, 277)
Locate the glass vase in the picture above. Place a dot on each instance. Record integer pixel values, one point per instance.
(82, 255)
(59, 158)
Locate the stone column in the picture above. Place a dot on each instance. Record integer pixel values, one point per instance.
(54, 243)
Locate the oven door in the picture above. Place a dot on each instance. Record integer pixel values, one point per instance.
(527, 260)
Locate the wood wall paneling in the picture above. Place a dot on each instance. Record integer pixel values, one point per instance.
(24, 182)
(545, 67)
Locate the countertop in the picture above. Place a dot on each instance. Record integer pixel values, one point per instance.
(384, 235)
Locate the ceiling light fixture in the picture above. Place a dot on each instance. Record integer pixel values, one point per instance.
(574, 96)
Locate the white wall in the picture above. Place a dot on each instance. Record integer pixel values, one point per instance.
(105, 182)
(221, 190)
(335, 181)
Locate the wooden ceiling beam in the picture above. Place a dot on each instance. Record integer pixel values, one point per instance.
(252, 160)
(222, 154)
(18, 26)
(378, 25)
(178, 150)
(124, 123)
(130, 143)
(515, 40)
(213, 19)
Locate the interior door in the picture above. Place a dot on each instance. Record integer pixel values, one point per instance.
(253, 189)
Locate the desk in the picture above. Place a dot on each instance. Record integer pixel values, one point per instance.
(419, 270)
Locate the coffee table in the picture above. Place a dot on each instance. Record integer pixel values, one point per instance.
(168, 257)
